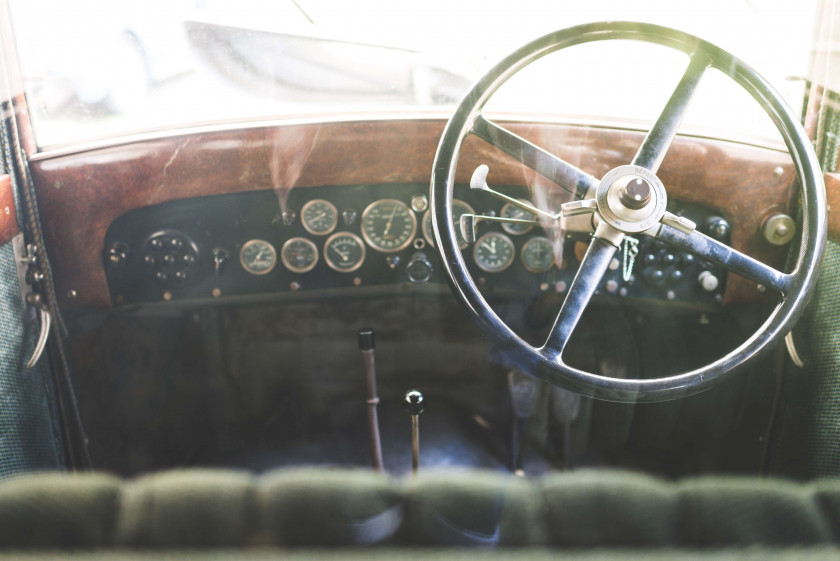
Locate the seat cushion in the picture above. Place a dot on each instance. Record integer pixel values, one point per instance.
(324, 507)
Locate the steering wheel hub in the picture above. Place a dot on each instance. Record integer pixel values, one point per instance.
(631, 199)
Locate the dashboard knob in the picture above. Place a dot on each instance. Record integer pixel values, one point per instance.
(718, 228)
(708, 281)
(656, 277)
(419, 268)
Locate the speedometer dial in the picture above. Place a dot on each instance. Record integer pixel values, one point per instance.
(319, 217)
(458, 208)
(388, 225)
(493, 252)
(344, 252)
(258, 257)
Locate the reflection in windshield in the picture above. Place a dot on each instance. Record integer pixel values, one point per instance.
(93, 71)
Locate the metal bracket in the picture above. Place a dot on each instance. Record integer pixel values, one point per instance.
(23, 259)
(26, 258)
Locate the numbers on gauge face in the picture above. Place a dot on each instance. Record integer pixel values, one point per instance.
(258, 257)
(344, 252)
(493, 252)
(299, 255)
(319, 217)
(513, 211)
(458, 208)
(537, 255)
(388, 225)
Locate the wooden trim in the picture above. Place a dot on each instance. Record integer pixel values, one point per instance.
(81, 194)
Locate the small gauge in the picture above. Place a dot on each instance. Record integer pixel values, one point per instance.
(299, 255)
(493, 252)
(537, 255)
(388, 225)
(513, 211)
(344, 252)
(319, 217)
(258, 257)
(458, 208)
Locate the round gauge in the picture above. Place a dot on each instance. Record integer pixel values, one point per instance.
(458, 208)
(319, 217)
(493, 252)
(344, 252)
(537, 255)
(513, 211)
(388, 225)
(258, 257)
(299, 255)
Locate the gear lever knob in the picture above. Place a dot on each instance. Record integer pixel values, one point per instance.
(414, 403)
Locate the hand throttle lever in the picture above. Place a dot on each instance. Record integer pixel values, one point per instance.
(367, 343)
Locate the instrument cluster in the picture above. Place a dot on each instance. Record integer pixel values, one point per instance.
(323, 238)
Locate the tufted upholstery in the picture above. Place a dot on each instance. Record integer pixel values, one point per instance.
(321, 508)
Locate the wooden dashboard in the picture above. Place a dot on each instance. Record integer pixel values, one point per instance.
(81, 194)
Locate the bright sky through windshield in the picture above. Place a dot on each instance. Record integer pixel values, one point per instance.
(94, 73)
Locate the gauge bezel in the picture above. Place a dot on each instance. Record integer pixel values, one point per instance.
(293, 268)
(510, 228)
(308, 228)
(330, 262)
(409, 238)
(247, 268)
(507, 264)
(525, 246)
(428, 216)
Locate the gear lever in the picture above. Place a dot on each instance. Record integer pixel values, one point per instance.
(367, 343)
(414, 403)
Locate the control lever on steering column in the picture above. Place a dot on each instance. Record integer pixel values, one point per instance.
(367, 343)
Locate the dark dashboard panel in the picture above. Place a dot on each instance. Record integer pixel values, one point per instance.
(193, 250)
(82, 193)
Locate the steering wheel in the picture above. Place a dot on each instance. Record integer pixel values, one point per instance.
(628, 200)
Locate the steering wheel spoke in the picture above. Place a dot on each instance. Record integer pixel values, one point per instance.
(575, 181)
(730, 259)
(592, 268)
(660, 137)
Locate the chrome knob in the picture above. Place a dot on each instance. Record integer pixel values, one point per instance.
(708, 281)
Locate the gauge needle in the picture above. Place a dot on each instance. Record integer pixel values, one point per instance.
(491, 246)
(343, 255)
(390, 219)
(319, 216)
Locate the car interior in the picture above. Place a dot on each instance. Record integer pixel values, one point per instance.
(323, 324)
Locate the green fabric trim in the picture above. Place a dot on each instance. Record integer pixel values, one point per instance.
(321, 507)
(426, 554)
(58, 510)
(188, 508)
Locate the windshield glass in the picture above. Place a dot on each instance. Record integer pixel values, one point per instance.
(96, 69)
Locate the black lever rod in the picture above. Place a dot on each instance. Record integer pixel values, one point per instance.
(366, 346)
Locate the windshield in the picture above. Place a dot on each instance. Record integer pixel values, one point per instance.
(97, 69)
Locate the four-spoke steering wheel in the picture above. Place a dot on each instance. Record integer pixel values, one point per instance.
(628, 200)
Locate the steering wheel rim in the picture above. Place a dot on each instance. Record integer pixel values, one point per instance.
(546, 362)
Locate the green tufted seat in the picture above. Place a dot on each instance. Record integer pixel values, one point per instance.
(318, 508)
